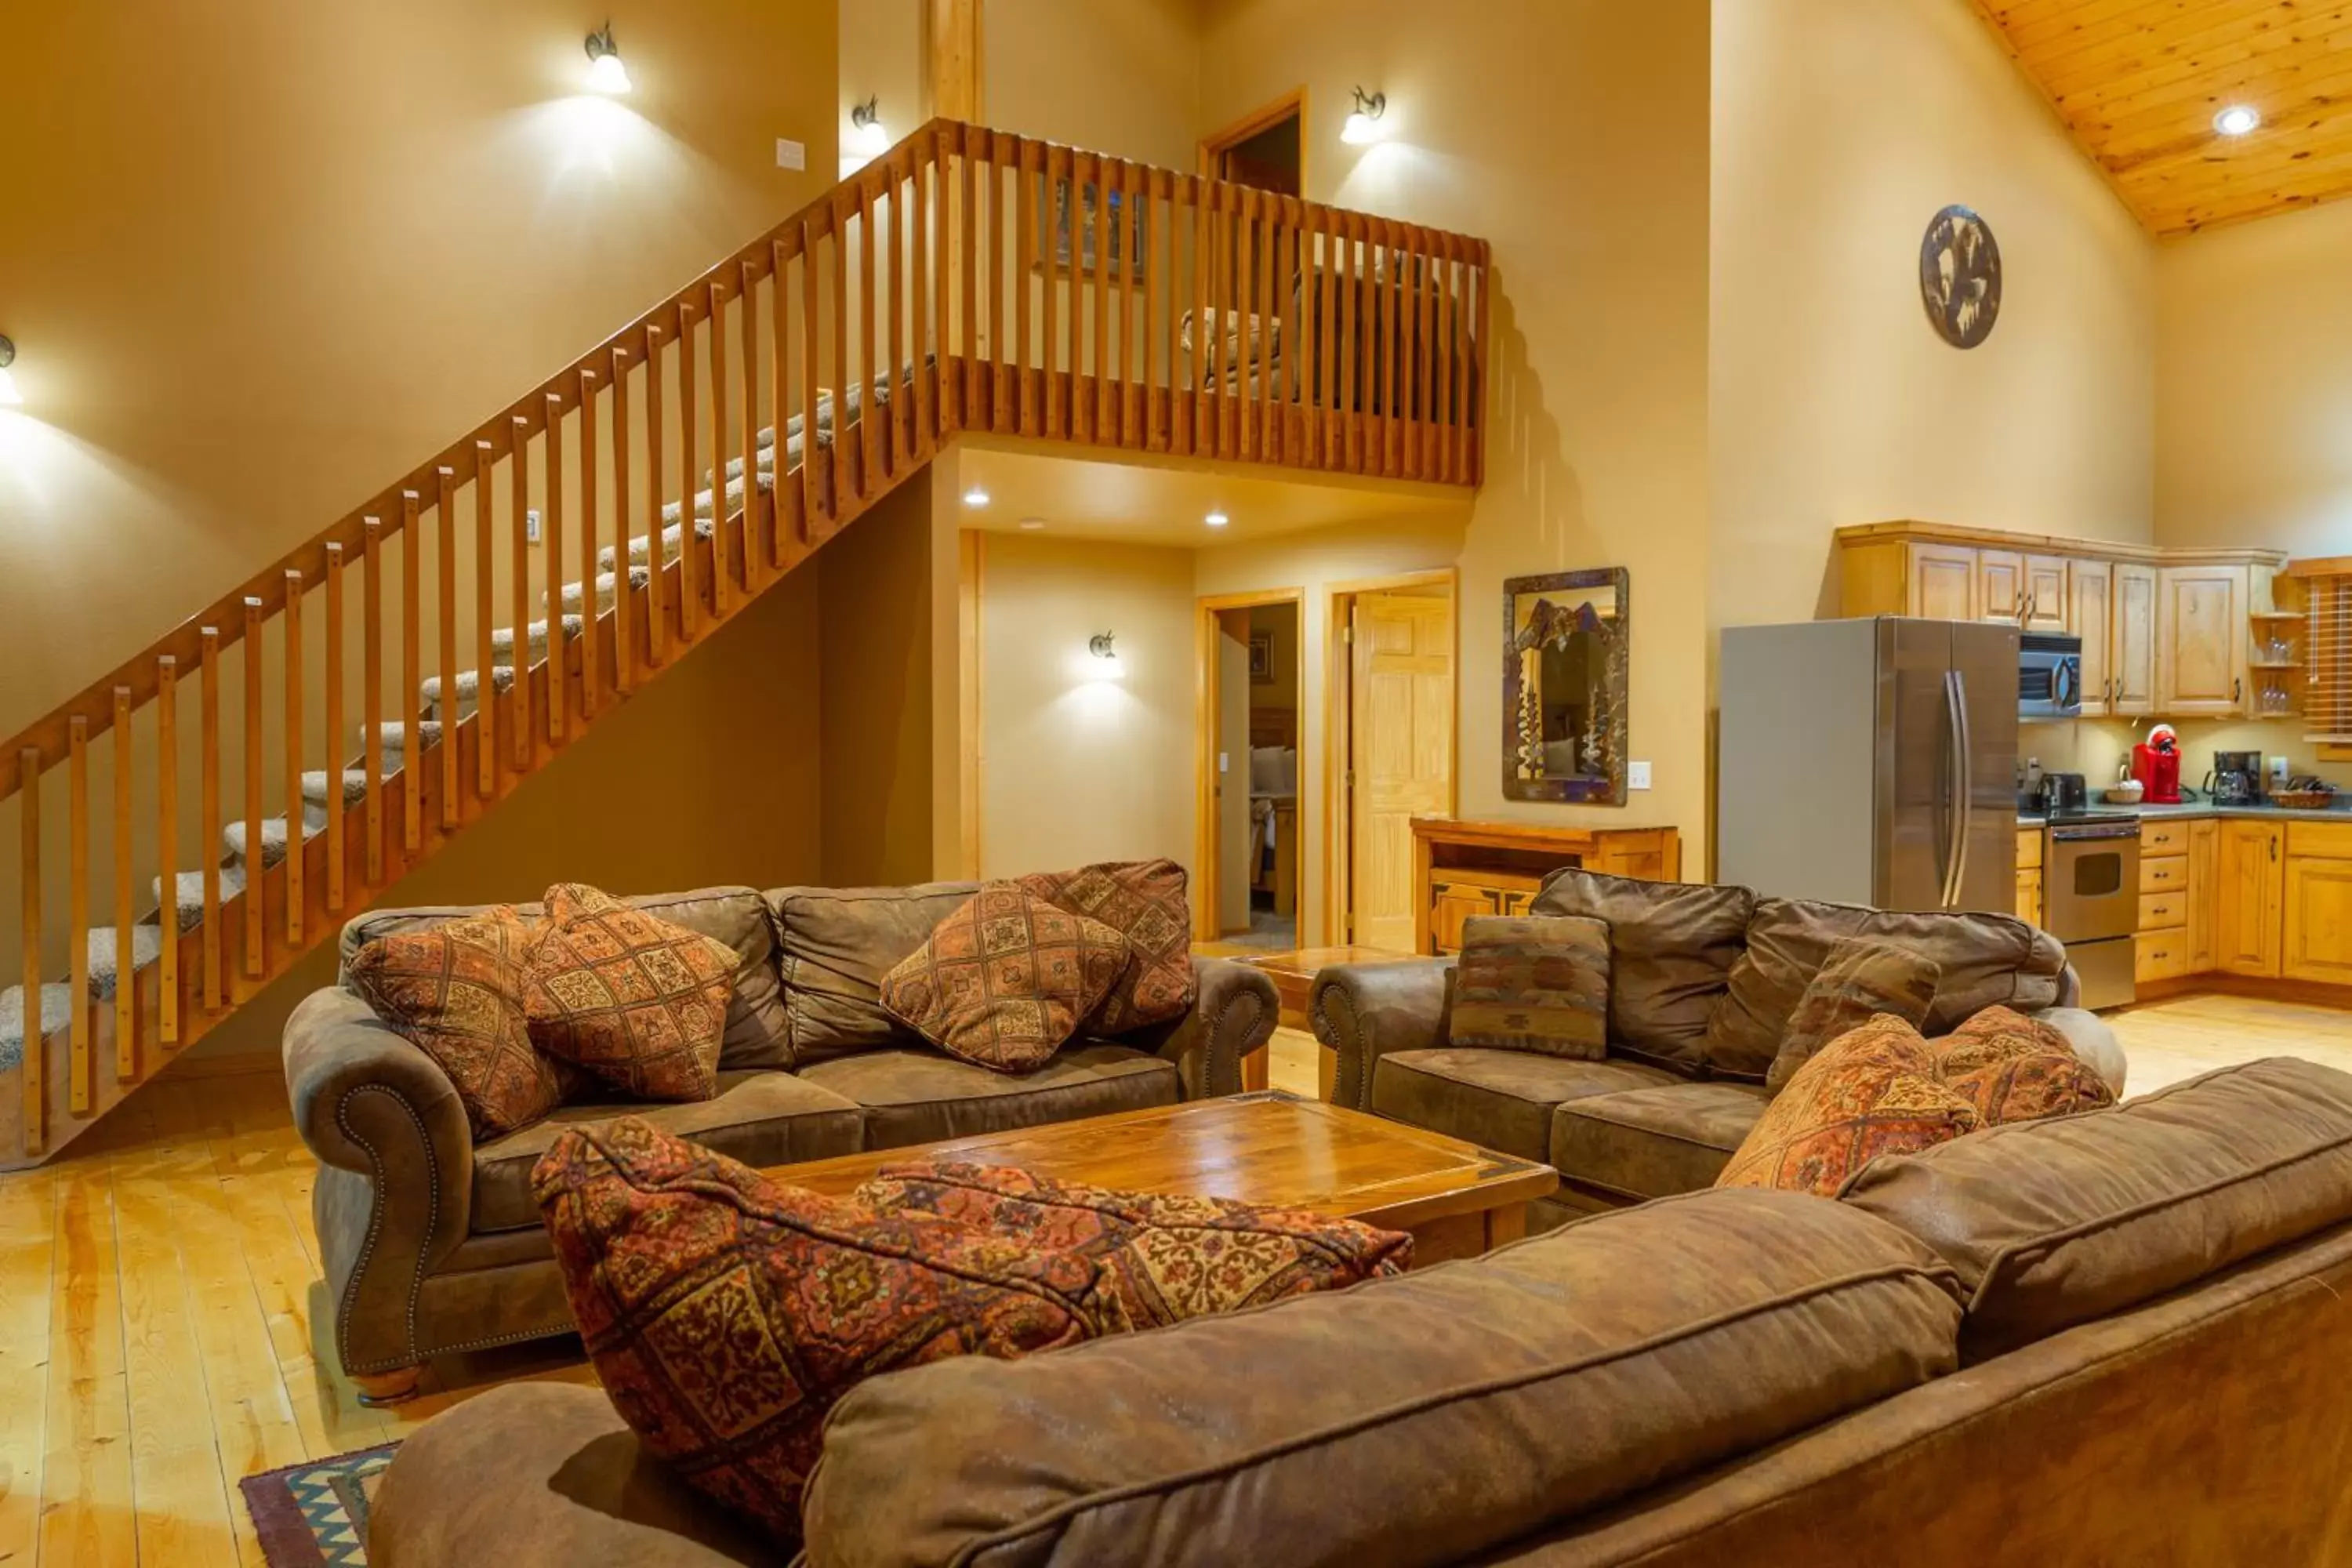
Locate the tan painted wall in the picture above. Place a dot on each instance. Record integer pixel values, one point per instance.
(1279, 624)
(1573, 134)
(1114, 78)
(882, 59)
(1840, 128)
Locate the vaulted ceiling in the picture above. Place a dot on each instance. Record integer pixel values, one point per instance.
(2139, 82)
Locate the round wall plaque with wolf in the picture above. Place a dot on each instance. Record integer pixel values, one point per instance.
(1959, 277)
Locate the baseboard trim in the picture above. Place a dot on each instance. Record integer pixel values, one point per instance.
(2316, 992)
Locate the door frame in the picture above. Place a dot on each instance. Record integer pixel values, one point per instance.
(1338, 722)
(1205, 696)
(1217, 143)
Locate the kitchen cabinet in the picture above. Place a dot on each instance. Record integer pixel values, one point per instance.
(2131, 642)
(2250, 882)
(2000, 585)
(2090, 615)
(2316, 936)
(2204, 894)
(2046, 595)
(2201, 640)
(1942, 583)
(2029, 874)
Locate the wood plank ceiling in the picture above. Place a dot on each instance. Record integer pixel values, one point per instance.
(2139, 83)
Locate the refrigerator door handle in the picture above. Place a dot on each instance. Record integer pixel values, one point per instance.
(1968, 788)
(1951, 791)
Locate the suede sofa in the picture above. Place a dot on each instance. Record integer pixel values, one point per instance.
(2117, 1337)
(1690, 1031)
(432, 1244)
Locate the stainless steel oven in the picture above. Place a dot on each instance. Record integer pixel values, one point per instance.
(2049, 676)
(2090, 895)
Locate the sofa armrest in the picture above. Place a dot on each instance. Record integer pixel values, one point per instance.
(395, 1198)
(2091, 1040)
(1365, 1010)
(1234, 1014)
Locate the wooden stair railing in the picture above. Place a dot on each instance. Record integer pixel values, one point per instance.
(966, 281)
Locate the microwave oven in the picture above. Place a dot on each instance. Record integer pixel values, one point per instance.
(2049, 676)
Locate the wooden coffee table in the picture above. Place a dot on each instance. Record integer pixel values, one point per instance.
(1270, 1147)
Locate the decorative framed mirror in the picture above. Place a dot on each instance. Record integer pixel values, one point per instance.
(1565, 647)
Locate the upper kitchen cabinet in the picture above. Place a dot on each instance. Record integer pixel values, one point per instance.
(2201, 640)
(1912, 577)
(2000, 585)
(2046, 609)
(2131, 646)
(2091, 614)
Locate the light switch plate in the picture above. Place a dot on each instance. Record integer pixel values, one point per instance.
(531, 526)
(1221, 760)
(1637, 775)
(790, 154)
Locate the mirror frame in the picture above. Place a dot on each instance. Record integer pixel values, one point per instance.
(1580, 790)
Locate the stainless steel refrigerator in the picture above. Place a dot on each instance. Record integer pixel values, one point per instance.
(1870, 762)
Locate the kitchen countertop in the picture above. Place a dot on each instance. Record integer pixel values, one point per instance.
(2341, 811)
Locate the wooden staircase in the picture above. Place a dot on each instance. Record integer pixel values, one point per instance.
(315, 735)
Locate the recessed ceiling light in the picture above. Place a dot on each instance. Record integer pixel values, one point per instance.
(976, 496)
(1033, 524)
(1216, 520)
(2237, 120)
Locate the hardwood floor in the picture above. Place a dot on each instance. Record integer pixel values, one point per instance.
(162, 1324)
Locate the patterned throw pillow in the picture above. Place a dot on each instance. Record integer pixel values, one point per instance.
(1872, 1091)
(1858, 979)
(1164, 1258)
(726, 1313)
(456, 992)
(636, 1000)
(1143, 901)
(2015, 1068)
(1004, 980)
(1533, 982)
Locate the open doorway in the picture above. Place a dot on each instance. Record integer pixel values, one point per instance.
(1389, 723)
(1252, 688)
(1264, 148)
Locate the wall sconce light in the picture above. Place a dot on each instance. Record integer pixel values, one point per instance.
(605, 71)
(1107, 665)
(867, 139)
(1363, 123)
(9, 396)
(976, 496)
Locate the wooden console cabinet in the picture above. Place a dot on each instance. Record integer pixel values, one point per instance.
(1466, 869)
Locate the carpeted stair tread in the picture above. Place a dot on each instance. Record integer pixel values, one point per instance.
(314, 786)
(502, 639)
(146, 947)
(273, 841)
(56, 997)
(188, 892)
(638, 578)
(393, 738)
(469, 685)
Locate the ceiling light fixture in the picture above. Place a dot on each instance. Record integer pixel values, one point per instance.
(1032, 524)
(867, 139)
(2237, 120)
(605, 71)
(1364, 121)
(976, 496)
(1216, 520)
(9, 396)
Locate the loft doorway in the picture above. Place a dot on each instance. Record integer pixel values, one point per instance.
(1264, 148)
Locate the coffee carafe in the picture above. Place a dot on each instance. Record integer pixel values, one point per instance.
(2236, 778)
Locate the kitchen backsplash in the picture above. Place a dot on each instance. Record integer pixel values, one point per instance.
(2096, 748)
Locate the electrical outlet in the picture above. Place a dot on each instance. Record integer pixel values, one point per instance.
(531, 525)
(1224, 760)
(790, 154)
(1637, 775)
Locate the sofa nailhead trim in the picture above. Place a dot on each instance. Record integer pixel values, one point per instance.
(375, 1220)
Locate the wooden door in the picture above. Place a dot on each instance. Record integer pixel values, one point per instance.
(2204, 894)
(2246, 933)
(2045, 594)
(2090, 615)
(1943, 583)
(1401, 753)
(2200, 640)
(2132, 644)
(2316, 938)
(2000, 584)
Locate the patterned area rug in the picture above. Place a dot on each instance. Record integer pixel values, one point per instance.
(315, 1514)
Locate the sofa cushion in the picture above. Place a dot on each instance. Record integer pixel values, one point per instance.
(2015, 1068)
(1144, 902)
(1870, 1092)
(1981, 959)
(1501, 1100)
(1532, 983)
(1003, 982)
(725, 1313)
(1654, 1142)
(1859, 978)
(636, 1001)
(833, 945)
(736, 916)
(1672, 946)
(1429, 1418)
(1164, 1258)
(454, 991)
(2055, 1223)
(918, 1096)
(762, 1118)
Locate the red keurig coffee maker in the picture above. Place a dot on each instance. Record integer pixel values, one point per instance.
(2156, 763)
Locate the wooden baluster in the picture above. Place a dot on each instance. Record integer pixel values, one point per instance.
(1326, 424)
(445, 564)
(1059, 195)
(1201, 434)
(1004, 403)
(690, 584)
(126, 912)
(816, 517)
(31, 1072)
(1098, 281)
(787, 534)
(208, 785)
(1464, 352)
(849, 435)
(918, 274)
(1355, 284)
(1155, 296)
(372, 691)
(1132, 183)
(1289, 332)
(1228, 325)
(551, 529)
(1265, 248)
(518, 714)
(971, 410)
(79, 1077)
(950, 399)
(333, 677)
(486, 708)
(411, 673)
(759, 521)
(722, 597)
(657, 583)
(294, 813)
(930, 292)
(591, 636)
(1392, 363)
(1425, 415)
(1025, 165)
(1478, 357)
(902, 408)
(256, 932)
(873, 424)
(167, 846)
(625, 605)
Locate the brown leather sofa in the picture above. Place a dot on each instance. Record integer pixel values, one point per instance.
(1690, 1031)
(432, 1244)
(2119, 1337)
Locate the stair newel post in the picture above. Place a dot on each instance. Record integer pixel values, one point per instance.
(625, 605)
(78, 1086)
(254, 930)
(690, 585)
(295, 891)
(126, 914)
(592, 639)
(486, 710)
(444, 572)
(759, 521)
(722, 598)
(519, 598)
(167, 844)
(371, 690)
(332, 678)
(656, 583)
(209, 789)
(32, 1078)
(559, 665)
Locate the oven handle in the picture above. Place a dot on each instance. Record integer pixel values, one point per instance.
(1968, 788)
